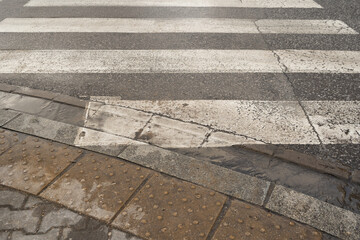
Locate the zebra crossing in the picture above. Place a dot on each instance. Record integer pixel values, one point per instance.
(277, 120)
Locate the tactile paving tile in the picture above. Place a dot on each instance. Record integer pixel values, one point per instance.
(33, 163)
(8, 139)
(244, 221)
(97, 185)
(167, 208)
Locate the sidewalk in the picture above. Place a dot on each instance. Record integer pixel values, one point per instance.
(144, 190)
(121, 195)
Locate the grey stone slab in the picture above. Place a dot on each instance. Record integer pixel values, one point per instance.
(64, 113)
(118, 235)
(6, 116)
(22, 103)
(4, 235)
(19, 219)
(11, 198)
(236, 184)
(44, 128)
(35, 93)
(93, 230)
(59, 218)
(32, 202)
(321, 215)
(53, 234)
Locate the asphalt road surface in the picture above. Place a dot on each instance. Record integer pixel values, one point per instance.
(285, 72)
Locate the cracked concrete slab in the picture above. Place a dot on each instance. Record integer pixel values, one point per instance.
(166, 132)
(272, 122)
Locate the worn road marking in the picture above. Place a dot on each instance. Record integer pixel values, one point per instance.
(179, 3)
(178, 61)
(176, 25)
(276, 122)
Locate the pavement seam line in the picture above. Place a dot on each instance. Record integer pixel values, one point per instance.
(61, 173)
(130, 198)
(219, 218)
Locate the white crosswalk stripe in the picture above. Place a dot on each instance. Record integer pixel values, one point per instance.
(180, 3)
(187, 123)
(178, 61)
(186, 25)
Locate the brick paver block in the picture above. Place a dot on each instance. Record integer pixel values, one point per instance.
(167, 208)
(33, 163)
(245, 221)
(97, 185)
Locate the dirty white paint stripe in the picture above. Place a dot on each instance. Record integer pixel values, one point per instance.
(277, 122)
(179, 3)
(178, 61)
(176, 25)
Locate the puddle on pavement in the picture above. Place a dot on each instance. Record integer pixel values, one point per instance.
(321, 186)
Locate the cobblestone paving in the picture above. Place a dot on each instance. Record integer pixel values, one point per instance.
(25, 217)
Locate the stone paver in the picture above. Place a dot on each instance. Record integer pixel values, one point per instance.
(6, 116)
(18, 219)
(32, 164)
(53, 234)
(8, 139)
(118, 235)
(166, 208)
(329, 218)
(97, 185)
(11, 198)
(190, 169)
(244, 221)
(56, 222)
(63, 217)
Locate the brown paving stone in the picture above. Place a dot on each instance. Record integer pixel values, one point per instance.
(97, 185)
(33, 163)
(8, 139)
(167, 208)
(244, 221)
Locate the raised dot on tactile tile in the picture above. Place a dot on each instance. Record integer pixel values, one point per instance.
(93, 161)
(218, 203)
(156, 206)
(66, 154)
(212, 193)
(66, 175)
(192, 187)
(211, 218)
(247, 207)
(95, 169)
(269, 214)
(143, 221)
(278, 227)
(179, 190)
(291, 223)
(159, 217)
(147, 234)
(120, 202)
(175, 214)
(122, 164)
(147, 186)
(97, 177)
(184, 199)
(136, 199)
(240, 221)
(141, 177)
(315, 233)
(203, 207)
(151, 196)
(231, 237)
(197, 196)
(125, 171)
(247, 233)
(124, 213)
(180, 226)
(195, 222)
(262, 230)
(166, 193)
(131, 188)
(138, 168)
(163, 230)
(170, 203)
(202, 234)
(190, 210)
